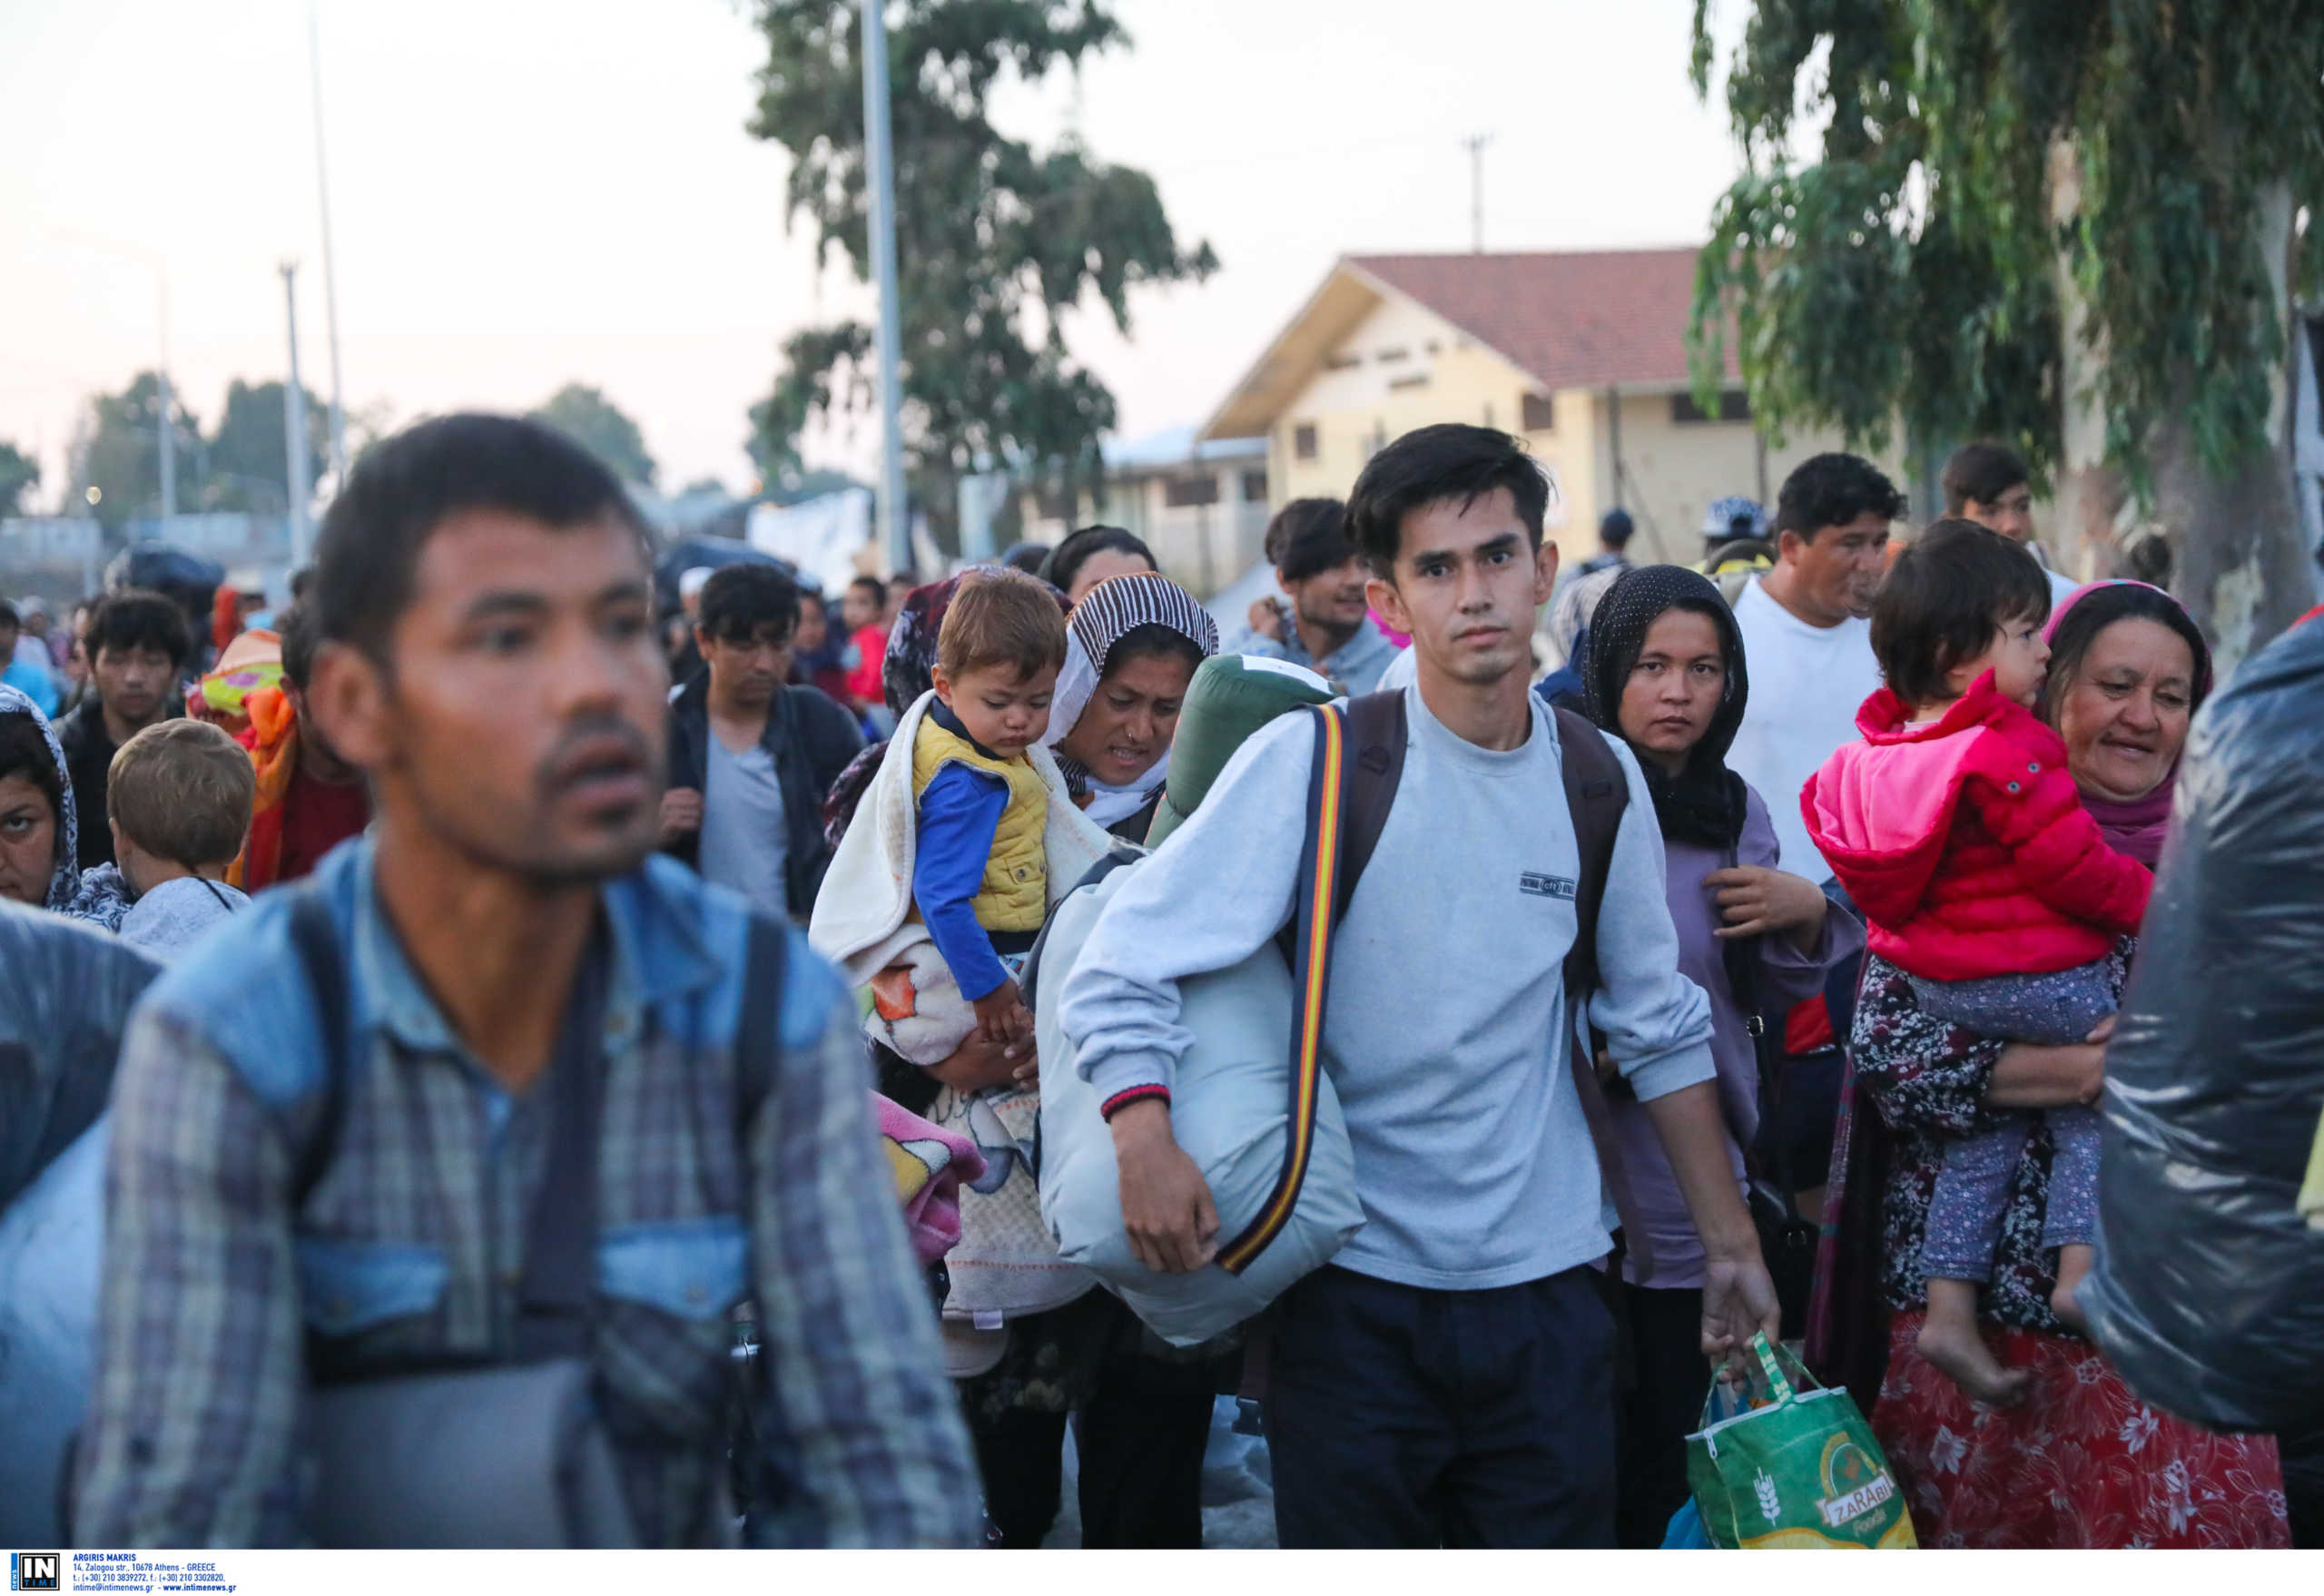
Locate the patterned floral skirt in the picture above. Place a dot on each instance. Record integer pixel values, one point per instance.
(2082, 1464)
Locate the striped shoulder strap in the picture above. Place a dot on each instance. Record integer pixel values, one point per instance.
(1326, 875)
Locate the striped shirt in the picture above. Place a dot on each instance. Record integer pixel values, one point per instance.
(407, 1250)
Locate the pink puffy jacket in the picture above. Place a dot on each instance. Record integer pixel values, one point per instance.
(1965, 842)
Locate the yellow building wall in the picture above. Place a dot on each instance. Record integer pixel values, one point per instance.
(1401, 368)
(1404, 367)
(1674, 470)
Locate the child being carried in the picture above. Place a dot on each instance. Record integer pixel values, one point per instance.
(1958, 832)
(980, 879)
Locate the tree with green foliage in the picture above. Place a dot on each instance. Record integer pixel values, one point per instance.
(245, 465)
(2069, 225)
(995, 241)
(19, 473)
(117, 451)
(599, 425)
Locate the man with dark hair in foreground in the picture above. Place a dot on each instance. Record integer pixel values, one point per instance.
(512, 961)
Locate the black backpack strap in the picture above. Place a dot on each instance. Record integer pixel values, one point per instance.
(1596, 793)
(1376, 734)
(1028, 978)
(758, 1023)
(314, 937)
(1322, 857)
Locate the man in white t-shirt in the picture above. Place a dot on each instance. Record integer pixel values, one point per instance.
(1988, 483)
(1806, 641)
(1807, 647)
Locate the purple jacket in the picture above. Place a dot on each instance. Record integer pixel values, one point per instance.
(1786, 975)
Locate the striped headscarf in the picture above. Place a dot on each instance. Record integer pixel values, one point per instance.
(1106, 613)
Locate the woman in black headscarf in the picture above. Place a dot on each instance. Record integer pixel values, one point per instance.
(1665, 673)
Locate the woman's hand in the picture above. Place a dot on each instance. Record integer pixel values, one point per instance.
(1755, 900)
(2030, 1077)
(976, 1064)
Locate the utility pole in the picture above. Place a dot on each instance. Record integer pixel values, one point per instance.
(331, 282)
(169, 439)
(1475, 144)
(294, 425)
(895, 529)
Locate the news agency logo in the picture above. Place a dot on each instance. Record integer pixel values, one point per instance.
(35, 1570)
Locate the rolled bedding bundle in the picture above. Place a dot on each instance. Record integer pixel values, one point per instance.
(1233, 1110)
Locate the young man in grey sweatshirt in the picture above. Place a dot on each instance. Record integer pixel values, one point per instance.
(1449, 1379)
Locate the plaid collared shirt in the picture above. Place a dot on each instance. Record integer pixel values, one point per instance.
(407, 1250)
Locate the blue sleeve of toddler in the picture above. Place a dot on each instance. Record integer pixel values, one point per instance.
(960, 815)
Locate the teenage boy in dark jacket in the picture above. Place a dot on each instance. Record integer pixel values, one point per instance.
(750, 757)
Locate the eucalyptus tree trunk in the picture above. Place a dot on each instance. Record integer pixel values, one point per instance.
(2239, 559)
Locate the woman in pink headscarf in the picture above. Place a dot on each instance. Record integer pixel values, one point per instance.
(2082, 1461)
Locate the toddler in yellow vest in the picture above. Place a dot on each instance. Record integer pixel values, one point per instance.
(979, 877)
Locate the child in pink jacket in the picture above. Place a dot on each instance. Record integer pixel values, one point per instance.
(1957, 829)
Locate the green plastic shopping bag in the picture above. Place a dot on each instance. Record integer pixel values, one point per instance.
(1799, 1470)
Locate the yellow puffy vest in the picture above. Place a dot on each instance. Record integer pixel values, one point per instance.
(1014, 896)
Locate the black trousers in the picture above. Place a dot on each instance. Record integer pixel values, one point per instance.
(1662, 1405)
(1141, 1439)
(1400, 1416)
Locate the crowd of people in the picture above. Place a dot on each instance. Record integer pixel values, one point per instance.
(547, 989)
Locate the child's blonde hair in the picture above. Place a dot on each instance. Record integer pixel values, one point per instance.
(183, 790)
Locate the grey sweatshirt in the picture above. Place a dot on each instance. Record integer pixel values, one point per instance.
(1444, 1032)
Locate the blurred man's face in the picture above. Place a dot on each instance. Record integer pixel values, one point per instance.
(746, 672)
(133, 682)
(1331, 600)
(7, 643)
(522, 719)
(1837, 575)
(2011, 514)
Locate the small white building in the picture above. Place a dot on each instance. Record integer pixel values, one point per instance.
(1201, 508)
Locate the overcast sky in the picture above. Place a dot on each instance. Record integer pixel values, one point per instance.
(530, 191)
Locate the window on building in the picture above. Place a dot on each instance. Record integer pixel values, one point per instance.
(1342, 362)
(1416, 379)
(1734, 405)
(1537, 413)
(1255, 486)
(1184, 492)
(1386, 357)
(1302, 441)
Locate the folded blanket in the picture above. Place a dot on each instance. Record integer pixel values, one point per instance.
(930, 1164)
